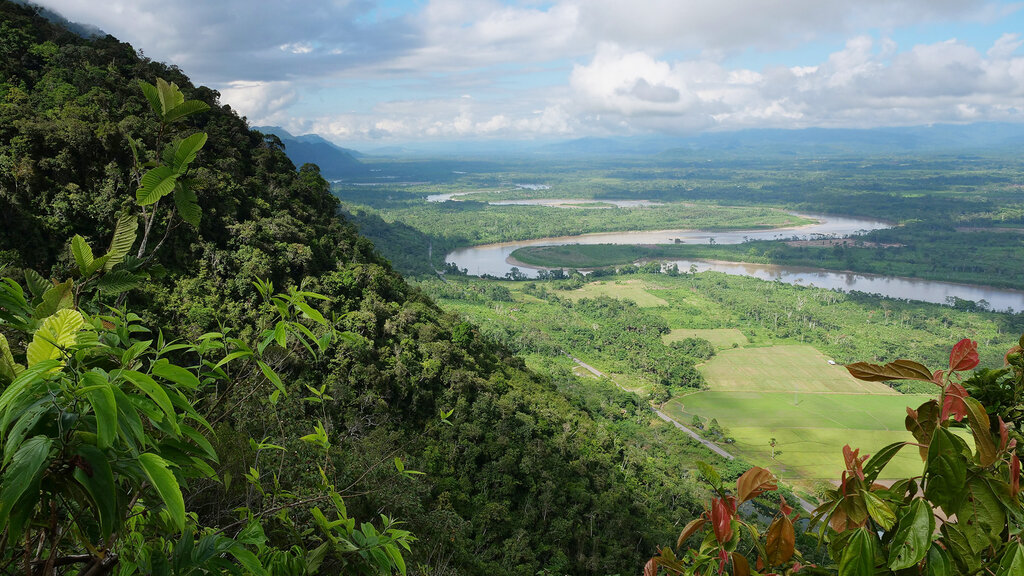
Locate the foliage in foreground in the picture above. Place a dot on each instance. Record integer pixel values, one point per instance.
(962, 515)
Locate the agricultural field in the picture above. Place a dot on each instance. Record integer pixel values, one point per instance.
(634, 289)
(784, 368)
(811, 408)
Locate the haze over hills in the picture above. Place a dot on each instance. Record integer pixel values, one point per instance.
(334, 161)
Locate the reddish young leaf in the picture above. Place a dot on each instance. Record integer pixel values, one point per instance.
(964, 355)
(721, 520)
(937, 377)
(1014, 475)
(689, 530)
(651, 568)
(854, 462)
(786, 509)
(781, 541)
(897, 370)
(723, 557)
(740, 566)
(1004, 434)
(953, 403)
(753, 483)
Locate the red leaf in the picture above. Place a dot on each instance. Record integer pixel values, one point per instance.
(786, 509)
(1004, 434)
(953, 403)
(740, 566)
(651, 568)
(721, 520)
(937, 377)
(723, 557)
(1014, 475)
(897, 370)
(964, 355)
(754, 482)
(854, 463)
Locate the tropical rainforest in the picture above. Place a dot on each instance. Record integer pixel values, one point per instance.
(205, 368)
(418, 424)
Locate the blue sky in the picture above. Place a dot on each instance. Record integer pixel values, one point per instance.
(365, 72)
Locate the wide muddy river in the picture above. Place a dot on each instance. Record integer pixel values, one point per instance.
(493, 259)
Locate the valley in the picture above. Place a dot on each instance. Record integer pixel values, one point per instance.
(718, 287)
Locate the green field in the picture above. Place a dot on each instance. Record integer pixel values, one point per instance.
(812, 408)
(810, 429)
(719, 337)
(635, 290)
(784, 368)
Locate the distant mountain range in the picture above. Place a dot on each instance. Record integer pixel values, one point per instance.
(334, 161)
(338, 162)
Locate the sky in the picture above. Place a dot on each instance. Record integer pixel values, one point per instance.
(379, 72)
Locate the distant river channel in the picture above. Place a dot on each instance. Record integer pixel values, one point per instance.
(494, 259)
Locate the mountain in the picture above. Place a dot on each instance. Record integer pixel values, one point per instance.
(525, 473)
(334, 161)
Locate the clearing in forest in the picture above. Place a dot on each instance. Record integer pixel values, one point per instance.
(784, 368)
(719, 337)
(810, 407)
(635, 290)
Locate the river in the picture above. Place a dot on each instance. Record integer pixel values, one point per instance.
(493, 259)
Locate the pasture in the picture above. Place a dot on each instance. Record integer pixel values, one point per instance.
(811, 408)
(635, 290)
(783, 368)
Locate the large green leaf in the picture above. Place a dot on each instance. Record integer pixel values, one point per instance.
(186, 150)
(104, 406)
(878, 461)
(98, 481)
(153, 95)
(879, 511)
(124, 238)
(8, 368)
(858, 557)
(36, 283)
(176, 374)
(185, 109)
(57, 333)
(1012, 563)
(945, 471)
(26, 468)
(187, 203)
(117, 281)
(156, 184)
(82, 253)
(26, 421)
(56, 297)
(161, 477)
(982, 510)
(913, 535)
(22, 385)
(963, 546)
(155, 391)
(979, 421)
(939, 563)
(170, 97)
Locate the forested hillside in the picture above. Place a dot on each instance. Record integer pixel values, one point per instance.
(521, 474)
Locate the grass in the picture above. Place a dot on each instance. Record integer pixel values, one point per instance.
(784, 368)
(635, 290)
(810, 429)
(719, 337)
(791, 393)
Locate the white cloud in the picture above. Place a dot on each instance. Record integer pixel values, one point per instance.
(261, 102)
